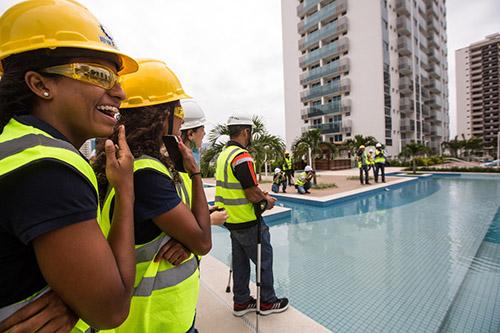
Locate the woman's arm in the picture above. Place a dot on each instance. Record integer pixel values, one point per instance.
(95, 276)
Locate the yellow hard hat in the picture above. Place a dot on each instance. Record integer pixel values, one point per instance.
(154, 83)
(362, 147)
(51, 24)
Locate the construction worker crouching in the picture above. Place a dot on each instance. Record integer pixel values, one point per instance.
(303, 182)
(279, 179)
(237, 191)
(361, 158)
(379, 162)
(288, 168)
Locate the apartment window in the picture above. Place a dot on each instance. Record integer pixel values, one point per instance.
(338, 138)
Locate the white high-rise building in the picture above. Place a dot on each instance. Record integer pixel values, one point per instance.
(478, 91)
(376, 68)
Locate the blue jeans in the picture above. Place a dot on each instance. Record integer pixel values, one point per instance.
(303, 189)
(244, 248)
(276, 187)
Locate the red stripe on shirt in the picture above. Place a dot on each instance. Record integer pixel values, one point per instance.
(240, 156)
(252, 172)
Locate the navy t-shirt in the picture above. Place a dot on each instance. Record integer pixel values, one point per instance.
(155, 195)
(34, 200)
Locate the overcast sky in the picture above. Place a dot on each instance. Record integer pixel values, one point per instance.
(228, 53)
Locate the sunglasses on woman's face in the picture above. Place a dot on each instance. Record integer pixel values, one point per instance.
(95, 74)
(179, 112)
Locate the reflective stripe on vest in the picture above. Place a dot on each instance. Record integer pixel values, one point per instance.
(301, 179)
(229, 193)
(185, 187)
(21, 145)
(8, 310)
(165, 296)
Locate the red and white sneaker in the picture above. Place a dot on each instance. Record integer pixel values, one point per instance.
(244, 308)
(280, 305)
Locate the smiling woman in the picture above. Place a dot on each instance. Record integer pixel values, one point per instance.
(59, 88)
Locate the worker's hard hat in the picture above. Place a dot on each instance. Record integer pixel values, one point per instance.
(154, 83)
(193, 115)
(378, 145)
(362, 147)
(308, 168)
(370, 151)
(239, 120)
(287, 152)
(52, 24)
(277, 170)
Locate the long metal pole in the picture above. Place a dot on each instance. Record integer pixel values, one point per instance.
(498, 149)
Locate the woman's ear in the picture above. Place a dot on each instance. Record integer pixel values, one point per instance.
(39, 85)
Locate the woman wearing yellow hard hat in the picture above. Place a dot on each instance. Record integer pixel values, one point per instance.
(59, 71)
(166, 291)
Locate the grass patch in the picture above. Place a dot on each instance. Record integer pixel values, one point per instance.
(324, 186)
(357, 178)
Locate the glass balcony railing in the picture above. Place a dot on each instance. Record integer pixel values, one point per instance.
(402, 7)
(334, 68)
(336, 27)
(321, 110)
(306, 6)
(331, 49)
(329, 11)
(334, 127)
(332, 88)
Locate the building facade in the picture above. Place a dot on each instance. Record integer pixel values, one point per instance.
(478, 91)
(376, 68)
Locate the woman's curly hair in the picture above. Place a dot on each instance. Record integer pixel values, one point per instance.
(143, 131)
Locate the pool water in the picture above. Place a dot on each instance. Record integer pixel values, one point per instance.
(423, 257)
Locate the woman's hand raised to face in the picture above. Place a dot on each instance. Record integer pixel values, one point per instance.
(119, 163)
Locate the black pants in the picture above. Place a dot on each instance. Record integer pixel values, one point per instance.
(289, 177)
(380, 167)
(363, 169)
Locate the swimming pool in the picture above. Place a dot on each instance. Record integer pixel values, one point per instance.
(410, 259)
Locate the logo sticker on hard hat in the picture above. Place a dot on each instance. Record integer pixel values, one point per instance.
(107, 39)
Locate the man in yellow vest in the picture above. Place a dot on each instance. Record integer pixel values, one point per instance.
(288, 168)
(379, 162)
(237, 191)
(362, 162)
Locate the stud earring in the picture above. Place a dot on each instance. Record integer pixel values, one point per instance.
(46, 94)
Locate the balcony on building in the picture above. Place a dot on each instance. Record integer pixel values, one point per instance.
(335, 68)
(426, 111)
(433, 41)
(406, 105)
(307, 7)
(330, 30)
(433, 55)
(330, 50)
(405, 65)
(404, 46)
(327, 128)
(434, 86)
(404, 26)
(346, 125)
(333, 88)
(403, 7)
(432, 25)
(407, 125)
(436, 131)
(322, 110)
(405, 85)
(426, 127)
(432, 9)
(435, 103)
(328, 12)
(434, 71)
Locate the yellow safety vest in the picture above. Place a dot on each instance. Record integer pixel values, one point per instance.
(185, 189)
(301, 180)
(379, 156)
(165, 295)
(21, 145)
(287, 165)
(228, 191)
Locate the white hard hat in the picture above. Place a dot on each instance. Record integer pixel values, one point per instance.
(193, 115)
(308, 168)
(378, 145)
(239, 120)
(277, 170)
(371, 150)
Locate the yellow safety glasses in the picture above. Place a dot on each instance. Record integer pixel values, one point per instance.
(179, 112)
(95, 74)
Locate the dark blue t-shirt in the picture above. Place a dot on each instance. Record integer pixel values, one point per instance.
(34, 200)
(155, 195)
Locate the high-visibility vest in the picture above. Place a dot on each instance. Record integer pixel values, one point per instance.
(301, 180)
(379, 156)
(369, 159)
(21, 145)
(287, 164)
(165, 295)
(229, 193)
(185, 189)
(362, 160)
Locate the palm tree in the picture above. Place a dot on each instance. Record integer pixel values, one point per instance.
(470, 145)
(263, 145)
(453, 146)
(412, 150)
(353, 144)
(312, 140)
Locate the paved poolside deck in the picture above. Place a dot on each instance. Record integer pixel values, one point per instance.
(215, 305)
